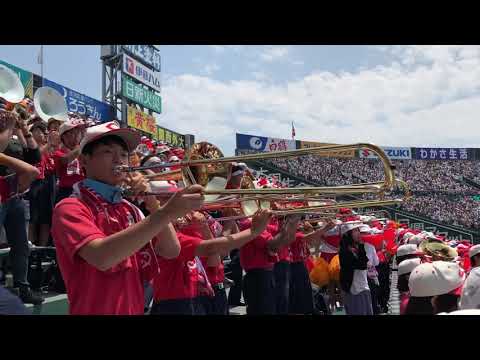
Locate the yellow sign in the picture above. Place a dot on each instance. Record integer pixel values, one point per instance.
(338, 154)
(141, 121)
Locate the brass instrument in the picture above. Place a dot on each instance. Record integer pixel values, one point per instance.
(205, 164)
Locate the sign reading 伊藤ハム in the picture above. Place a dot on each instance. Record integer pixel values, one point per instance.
(141, 73)
(141, 96)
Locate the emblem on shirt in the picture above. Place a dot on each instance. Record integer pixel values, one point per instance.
(192, 265)
(145, 259)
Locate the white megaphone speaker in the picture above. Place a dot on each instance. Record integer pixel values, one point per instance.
(11, 88)
(50, 104)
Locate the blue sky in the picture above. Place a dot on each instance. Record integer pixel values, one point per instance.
(388, 95)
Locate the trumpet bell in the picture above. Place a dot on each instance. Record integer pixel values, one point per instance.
(50, 104)
(11, 88)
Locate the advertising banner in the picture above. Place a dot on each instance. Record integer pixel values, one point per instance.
(83, 104)
(141, 121)
(261, 143)
(443, 154)
(171, 137)
(337, 154)
(26, 78)
(140, 72)
(393, 153)
(146, 53)
(140, 95)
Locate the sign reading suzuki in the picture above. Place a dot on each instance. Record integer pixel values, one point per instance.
(140, 72)
(393, 153)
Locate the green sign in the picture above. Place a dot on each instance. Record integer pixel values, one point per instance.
(26, 78)
(141, 95)
(476, 197)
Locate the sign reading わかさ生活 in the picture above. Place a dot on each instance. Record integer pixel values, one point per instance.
(443, 154)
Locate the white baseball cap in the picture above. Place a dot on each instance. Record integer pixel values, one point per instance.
(435, 278)
(470, 298)
(407, 266)
(350, 225)
(173, 158)
(407, 249)
(69, 125)
(130, 136)
(415, 239)
(474, 250)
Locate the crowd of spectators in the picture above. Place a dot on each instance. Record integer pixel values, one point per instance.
(439, 190)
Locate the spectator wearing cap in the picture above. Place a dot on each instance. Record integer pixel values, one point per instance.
(403, 272)
(407, 251)
(67, 165)
(470, 298)
(440, 281)
(353, 272)
(474, 255)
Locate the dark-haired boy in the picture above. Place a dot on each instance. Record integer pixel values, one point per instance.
(105, 248)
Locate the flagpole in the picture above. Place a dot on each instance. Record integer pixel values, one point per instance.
(41, 62)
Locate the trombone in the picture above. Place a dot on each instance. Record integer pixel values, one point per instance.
(205, 164)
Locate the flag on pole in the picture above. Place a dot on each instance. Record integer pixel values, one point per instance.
(293, 131)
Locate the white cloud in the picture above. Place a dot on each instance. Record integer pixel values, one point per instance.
(425, 96)
(273, 53)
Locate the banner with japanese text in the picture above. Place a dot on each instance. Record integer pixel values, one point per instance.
(443, 153)
(141, 121)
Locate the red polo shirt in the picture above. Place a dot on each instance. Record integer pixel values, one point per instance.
(299, 248)
(255, 254)
(90, 291)
(178, 277)
(68, 174)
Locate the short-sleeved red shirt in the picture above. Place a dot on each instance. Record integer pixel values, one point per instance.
(178, 277)
(68, 174)
(90, 291)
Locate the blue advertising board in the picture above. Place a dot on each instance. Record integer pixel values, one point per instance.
(425, 153)
(261, 143)
(83, 104)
